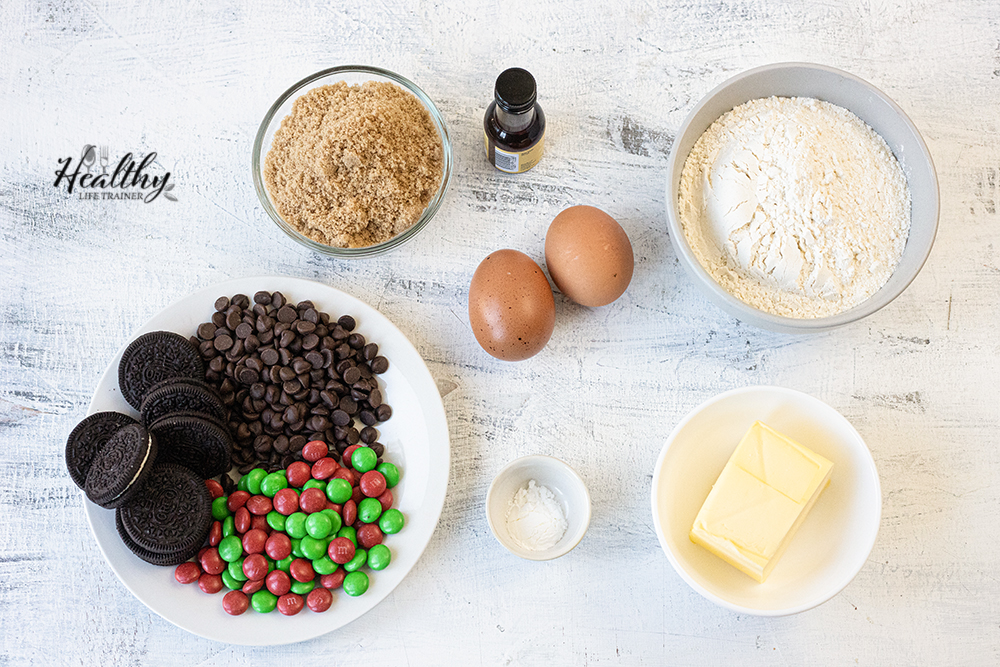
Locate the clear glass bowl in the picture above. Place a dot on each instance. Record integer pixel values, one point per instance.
(351, 74)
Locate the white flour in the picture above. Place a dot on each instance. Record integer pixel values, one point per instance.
(795, 206)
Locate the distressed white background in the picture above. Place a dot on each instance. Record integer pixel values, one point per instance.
(192, 80)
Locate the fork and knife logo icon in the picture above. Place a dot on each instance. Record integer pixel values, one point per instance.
(90, 156)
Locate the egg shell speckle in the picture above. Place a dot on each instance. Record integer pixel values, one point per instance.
(589, 256)
(511, 307)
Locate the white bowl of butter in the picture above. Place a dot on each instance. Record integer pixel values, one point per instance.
(829, 546)
(538, 507)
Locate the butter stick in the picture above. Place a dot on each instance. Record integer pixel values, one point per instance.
(761, 498)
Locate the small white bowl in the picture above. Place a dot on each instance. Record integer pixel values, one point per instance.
(832, 544)
(564, 483)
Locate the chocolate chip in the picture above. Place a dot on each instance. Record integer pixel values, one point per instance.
(380, 365)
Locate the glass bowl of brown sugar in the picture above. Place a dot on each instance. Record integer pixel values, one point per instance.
(352, 161)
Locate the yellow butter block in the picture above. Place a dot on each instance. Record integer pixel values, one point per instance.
(761, 498)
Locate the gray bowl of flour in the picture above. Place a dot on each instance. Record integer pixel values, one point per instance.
(800, 198)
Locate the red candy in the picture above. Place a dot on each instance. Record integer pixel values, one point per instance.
(332, 581)
(259, 522)
(312, 500)
(297, 473)
(212, 563)
(237, 500)
(290, 604)
(346, 474)
(187, 573)
(286, 501)
(369, 534)
(278, 546)
(372, 484)
(349, 512)
(254, 541)
(210, 583)
(214, 489)
(255, 567)
(241, 520)
(278, 582)
(333, 506)
(385, 500)
(324, 468)
(314, 450)
(235, 603)
(215, 534)
(319, 599)
(259, 505)
(251, 586)
(340, 550)
(301, 570)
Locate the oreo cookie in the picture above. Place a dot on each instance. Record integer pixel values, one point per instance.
(145, 554)
(87, 438)
(202, 444)
(168, 522)
(120, 467)
(171, 518)
(154, 357)
(181, 395)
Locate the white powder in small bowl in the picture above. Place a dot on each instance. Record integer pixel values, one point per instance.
(535, 520)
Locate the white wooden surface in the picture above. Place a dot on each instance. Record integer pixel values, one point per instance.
(192, 80)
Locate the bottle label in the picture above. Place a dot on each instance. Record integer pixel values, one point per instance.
(515, 162)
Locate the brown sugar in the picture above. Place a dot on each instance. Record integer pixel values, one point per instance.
(354, 165)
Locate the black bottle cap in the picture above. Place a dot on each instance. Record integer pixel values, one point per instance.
(515, 90)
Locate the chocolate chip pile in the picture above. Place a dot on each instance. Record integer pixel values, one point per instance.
(290, 375)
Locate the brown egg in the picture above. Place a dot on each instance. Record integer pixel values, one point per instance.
(588, 255)
(511, 308)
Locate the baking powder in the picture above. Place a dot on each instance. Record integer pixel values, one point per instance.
(795, 206)
(535, 519)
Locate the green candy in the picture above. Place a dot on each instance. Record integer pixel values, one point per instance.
(391, 521)
(303, 587)
(336, 523)
(295, 525)
(263, 601)
(231, 582)
(253, 479)
(319, 525)
(324, 565)
(349, 533)
(276, 520)
(228, 526)
(242, 484)
(355, 583)
(231, 548)
(314, 484)
(363, 459)
(273, 483)
(369, 510)
(338, 490)
(312, 548)
(296, 547)
(390, 472)
(285, 563)
(235, 570)
(219, 508)
(379, 557)
(360, 558)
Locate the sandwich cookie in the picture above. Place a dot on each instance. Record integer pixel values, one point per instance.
(87, 438)
(120, 467)
(154, 357)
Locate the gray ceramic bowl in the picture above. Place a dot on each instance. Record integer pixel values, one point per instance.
(866, 102)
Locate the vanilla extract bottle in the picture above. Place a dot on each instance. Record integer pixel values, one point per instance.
(514, 126)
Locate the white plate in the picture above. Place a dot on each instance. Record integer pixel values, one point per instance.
(832, 544)
(415, 438)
